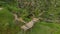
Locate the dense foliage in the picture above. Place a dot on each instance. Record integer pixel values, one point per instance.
(28, 9)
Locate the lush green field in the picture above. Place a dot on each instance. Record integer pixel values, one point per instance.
(51, 8)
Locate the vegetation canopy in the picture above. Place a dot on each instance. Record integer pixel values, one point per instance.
(26, 10)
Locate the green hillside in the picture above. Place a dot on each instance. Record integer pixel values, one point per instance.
(28, 9)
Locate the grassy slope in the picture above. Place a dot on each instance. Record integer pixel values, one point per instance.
(7, 26)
